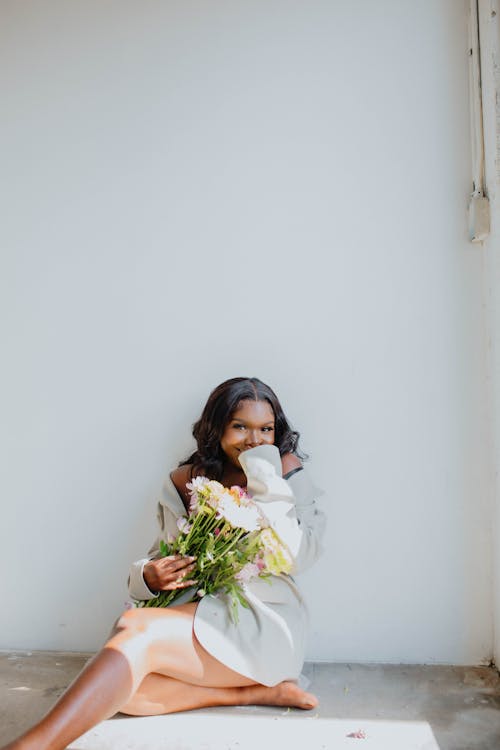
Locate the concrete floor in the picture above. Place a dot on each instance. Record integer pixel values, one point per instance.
(373, 707)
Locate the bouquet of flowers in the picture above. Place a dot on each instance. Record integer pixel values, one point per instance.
(231, 541)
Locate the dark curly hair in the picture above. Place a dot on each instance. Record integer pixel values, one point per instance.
(219, 409)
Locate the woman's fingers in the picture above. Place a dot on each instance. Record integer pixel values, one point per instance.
(167, 573)
(185, 584)
(174, 570)
(176, 562)
(178, 567)
(179, 583)
(180, 573)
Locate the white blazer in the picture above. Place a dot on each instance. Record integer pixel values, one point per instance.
(267, 644)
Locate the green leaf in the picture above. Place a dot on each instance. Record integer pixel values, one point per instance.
(233, 609)
(164, 549)
(242, 600)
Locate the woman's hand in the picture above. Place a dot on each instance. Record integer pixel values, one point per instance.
(168, 573)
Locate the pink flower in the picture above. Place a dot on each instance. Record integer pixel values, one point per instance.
(242, 494)
(183, 525)
(248, 571)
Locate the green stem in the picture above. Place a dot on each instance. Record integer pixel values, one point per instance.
(225, 550)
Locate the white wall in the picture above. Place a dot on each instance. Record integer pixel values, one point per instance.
(195, 191)
(490, 63)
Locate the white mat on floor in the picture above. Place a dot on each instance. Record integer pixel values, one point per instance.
(226, 731)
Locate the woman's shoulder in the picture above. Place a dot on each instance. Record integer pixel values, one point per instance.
(180, 477)
(290, 463)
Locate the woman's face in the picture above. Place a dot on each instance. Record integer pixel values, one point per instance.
(252, 424)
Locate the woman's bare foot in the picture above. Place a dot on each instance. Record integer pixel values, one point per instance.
(284, 694)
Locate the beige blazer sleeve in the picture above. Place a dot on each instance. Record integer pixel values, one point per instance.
(169, 509)
(288, 505)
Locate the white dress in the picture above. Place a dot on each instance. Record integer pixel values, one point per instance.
(267, 644)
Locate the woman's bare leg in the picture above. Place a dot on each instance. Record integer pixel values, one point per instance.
(164, 695)
(97, 693)
(200, 683)
(148, 641)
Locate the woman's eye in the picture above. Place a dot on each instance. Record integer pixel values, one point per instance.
(243, 427)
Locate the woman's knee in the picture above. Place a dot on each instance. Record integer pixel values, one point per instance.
(130, 619)
(148, 626)
(130, 628)
(139, 621)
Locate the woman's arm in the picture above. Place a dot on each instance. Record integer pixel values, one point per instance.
(289, 506)
(153, 573)
(137, 586)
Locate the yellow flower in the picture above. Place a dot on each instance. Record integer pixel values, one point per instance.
(277, 559)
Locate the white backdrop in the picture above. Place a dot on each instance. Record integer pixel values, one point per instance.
(489, 11)
(198, 190)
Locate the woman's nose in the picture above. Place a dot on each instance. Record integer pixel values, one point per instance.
(253, 438)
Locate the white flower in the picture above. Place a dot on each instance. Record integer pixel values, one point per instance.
(216, 493)
(240, 516)
(197, 484)
(196, 488)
